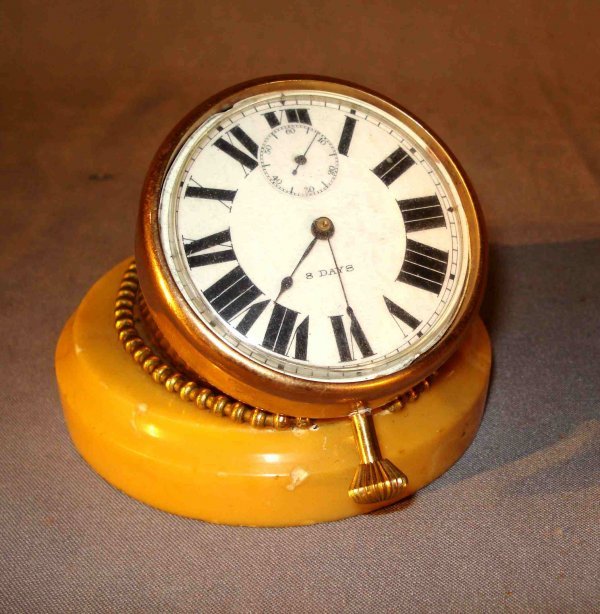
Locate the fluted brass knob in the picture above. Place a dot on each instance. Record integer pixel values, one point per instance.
(376, 479)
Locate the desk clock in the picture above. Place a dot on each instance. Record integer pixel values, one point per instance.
(309, 263)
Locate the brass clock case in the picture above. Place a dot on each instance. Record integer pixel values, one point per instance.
(211, 358)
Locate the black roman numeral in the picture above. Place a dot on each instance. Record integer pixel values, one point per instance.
(232, 293)
(272, 119)
(402, 315)
(210, 193)
(250, 317)
(347, 133)
(280, 332)
(301, 336)
(341, 338)
(298, 116)
(222, 239)
(248, 162)
(393, 166)
(424, 266)
(422, 213)
(293, 116)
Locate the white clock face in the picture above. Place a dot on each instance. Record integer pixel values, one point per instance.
(316, 234)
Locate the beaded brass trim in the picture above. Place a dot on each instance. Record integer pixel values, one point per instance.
(197, 392)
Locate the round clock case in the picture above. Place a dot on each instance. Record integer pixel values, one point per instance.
(209, 355)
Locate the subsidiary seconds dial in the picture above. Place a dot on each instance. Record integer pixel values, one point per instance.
(299, 160)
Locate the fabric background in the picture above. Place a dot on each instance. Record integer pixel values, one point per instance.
(88, 91)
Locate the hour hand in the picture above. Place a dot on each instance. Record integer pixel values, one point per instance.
(322, 228)
(288, 282)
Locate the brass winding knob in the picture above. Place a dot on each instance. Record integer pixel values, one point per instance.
(376, 479)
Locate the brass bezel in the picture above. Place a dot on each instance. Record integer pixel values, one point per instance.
(221, 365)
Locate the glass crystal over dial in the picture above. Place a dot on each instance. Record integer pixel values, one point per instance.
(315, 234)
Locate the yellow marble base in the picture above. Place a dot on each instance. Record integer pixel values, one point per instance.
(169, 454)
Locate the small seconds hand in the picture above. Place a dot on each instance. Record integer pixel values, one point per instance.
(302, 159)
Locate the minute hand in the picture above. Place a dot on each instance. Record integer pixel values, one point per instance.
(355, 329)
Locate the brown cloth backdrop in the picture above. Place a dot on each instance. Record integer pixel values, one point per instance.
(88, 90)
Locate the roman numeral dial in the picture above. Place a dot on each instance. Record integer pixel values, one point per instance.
(315, 234)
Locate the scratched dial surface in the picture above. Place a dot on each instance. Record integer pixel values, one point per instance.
(316, 234)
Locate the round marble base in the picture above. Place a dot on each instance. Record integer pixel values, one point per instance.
(171, 455)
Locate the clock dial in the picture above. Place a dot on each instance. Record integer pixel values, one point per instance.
(315, 234)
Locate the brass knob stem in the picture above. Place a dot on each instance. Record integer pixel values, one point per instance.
(376, 479)
(365, 437)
